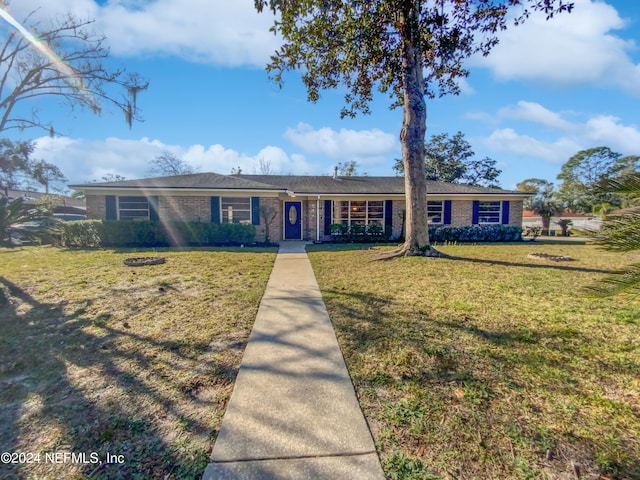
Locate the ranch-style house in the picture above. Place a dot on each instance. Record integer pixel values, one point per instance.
(296, 207)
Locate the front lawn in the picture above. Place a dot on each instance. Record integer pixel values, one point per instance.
(490, 365)
(100, 358)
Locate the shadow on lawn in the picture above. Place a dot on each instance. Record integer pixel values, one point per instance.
(430, 357)
(42, 393)
(554, 266)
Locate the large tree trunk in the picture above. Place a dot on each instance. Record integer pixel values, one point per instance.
(412, 137)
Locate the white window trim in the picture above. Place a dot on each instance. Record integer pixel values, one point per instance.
(499, 222)
(222, 209)
(119, 209)
(338, 219)
(441, 214)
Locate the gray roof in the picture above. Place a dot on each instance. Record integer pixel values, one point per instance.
(300, 184)
(194, 180)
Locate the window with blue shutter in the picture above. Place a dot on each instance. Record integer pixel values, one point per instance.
(215, 209)
(111, 207)
(154, 216)
(328, 216)
(388, 213)
(255, 210)
(447, 212)
(505, 212)
(475, 215)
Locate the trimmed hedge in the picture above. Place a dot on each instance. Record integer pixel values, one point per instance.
(475, 233)
(97, 233)
(357, 233)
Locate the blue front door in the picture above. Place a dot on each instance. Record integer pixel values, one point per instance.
(293, 220)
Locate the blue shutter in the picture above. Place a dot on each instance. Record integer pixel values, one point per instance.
(111, 207)
(475, 216)
(255, 210)
(447, 213)
(388, 213)
(505, 212)
(215, 209)
(154, 216)
(328, 216)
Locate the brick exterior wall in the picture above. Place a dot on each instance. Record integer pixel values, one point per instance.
(269, 206)
(198, 208)
(310, 226)
(515, 212)
(461, 213)
(96, 207)
(182, 208)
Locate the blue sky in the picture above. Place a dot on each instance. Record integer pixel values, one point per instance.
(547, 91)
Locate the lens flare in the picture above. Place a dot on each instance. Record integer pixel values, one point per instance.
(65, 70)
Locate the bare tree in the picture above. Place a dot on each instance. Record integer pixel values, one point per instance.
(263, 167)
(168, 164)
(64, 59)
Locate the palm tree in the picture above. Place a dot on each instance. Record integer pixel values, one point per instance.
(621, 234)
(24, 222)
(546, 208)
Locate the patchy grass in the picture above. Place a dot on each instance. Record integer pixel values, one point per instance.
(489, 365)
(97, 357)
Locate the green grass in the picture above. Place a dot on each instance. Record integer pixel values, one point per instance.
(489, 365)
(99, 357)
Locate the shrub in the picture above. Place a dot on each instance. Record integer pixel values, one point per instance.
(475, 233)
(359, 233)
(93, 233)
(83, 233)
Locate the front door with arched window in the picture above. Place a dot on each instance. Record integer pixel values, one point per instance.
(292, 220)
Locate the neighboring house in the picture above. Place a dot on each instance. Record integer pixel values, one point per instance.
(63, 205)
(578, 221)
(303, 207)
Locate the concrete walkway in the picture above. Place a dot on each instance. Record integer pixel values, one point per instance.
(293, 413)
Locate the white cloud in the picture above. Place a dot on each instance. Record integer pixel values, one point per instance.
(368, 147)
(594, 131)
(536, 113)
(85, 160)
(508, 141)
(607, 130)
(576, 48)
(220, 32)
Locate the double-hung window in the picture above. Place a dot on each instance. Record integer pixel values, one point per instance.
(489, 212)
(235, 210)
(435, 212)
(359, 212)
(133, 208)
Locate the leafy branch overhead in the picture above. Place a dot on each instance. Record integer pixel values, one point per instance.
(620, 234)
(359, 44)
(69, 62)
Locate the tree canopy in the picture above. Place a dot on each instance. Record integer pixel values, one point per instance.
(583, 172)
(451, 160)
(19, 171)
(408, 49)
